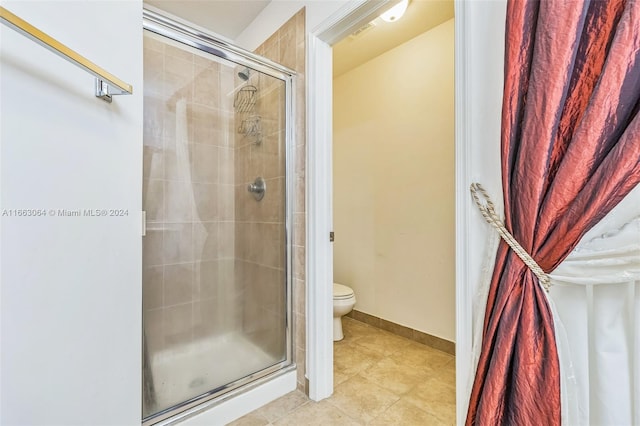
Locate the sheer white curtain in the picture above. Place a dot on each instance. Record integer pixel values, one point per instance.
(596, 300)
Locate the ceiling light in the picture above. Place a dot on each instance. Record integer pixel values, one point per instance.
(395, 12)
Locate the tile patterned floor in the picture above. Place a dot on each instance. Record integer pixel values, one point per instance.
(380, 379)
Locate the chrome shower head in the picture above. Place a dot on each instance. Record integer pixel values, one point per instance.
(244, 74)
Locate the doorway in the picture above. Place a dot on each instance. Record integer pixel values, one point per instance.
(393, 173)
(319, 180)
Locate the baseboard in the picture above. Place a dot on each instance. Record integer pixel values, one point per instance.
(409, 333)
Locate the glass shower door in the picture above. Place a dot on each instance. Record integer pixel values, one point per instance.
(215, 285)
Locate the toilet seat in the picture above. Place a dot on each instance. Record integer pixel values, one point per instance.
(341, 292)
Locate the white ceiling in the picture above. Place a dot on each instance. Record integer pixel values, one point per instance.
(227, 18)
(421, 16)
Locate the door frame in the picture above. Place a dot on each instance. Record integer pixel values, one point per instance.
(319, 189)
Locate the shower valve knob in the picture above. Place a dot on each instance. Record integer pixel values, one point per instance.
(258, 188)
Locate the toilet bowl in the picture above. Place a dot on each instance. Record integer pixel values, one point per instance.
(343, 301)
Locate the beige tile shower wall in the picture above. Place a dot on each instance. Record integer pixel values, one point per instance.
(259, 231)
(287, 47)
(188, 194)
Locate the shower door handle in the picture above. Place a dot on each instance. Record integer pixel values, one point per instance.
(258, 188)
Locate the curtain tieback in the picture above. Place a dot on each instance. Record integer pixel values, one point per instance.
(488, 211)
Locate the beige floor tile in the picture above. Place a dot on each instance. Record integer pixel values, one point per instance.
(355, 330)
(282, 406)
(379, 379)
(395, 376)
(420, 356)
(361, 399)
(384, 343)
(339, 377)
(350, 359)
(251, 419)
(445, 374)
(317, 414)
(406, 414)
(437, 398)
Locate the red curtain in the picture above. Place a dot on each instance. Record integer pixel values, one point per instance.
(570, 153)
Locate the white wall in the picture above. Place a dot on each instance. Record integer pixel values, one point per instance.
(479, 78)
(485, 32)
(71, 286)
(393, 170)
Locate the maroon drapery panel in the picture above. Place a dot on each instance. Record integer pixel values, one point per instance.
(570, 153)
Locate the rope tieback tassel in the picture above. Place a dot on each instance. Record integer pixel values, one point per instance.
(488, 211)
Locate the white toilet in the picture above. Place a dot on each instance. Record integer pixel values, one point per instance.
(343, 301)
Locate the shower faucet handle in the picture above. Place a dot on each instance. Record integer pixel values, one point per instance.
(258, 188)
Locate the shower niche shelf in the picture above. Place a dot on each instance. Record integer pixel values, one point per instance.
(252, 128)
(245, 99)
(244, 104)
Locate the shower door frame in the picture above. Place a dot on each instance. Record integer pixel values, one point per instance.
(189, 36)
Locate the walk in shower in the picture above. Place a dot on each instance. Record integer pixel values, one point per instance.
(216, 259)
